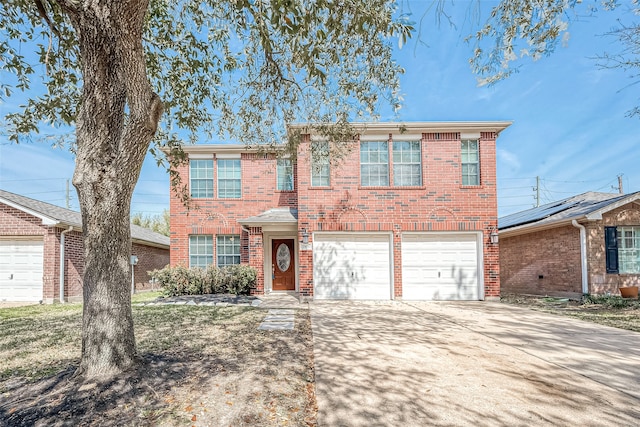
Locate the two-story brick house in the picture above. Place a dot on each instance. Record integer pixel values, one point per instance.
(410, 212)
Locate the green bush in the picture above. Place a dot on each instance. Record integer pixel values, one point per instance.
(239, 279)
(179, 280)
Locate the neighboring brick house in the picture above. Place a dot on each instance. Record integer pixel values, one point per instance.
(589, 243)
(408, 213)
(41, 247)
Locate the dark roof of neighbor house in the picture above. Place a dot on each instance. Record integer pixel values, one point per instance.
(585, 206)
(271, 216)
(56, 216)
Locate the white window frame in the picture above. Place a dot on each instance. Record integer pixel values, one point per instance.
(470, 178)
(228, 176)
(404, 160)
(201, 178)
(628, 249)
(374, 164)
(200, 247)
(320, 164)
(224, 241)
(284, 175)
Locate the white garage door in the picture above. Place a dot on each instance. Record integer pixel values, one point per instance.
(440, 266)
(351, 266)
(21, 264)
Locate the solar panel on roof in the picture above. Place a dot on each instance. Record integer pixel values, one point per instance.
(535, 214)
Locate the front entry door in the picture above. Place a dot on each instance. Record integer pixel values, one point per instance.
(283, 265)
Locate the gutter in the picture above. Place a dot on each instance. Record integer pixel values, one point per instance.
(583, 255)
(62, 262)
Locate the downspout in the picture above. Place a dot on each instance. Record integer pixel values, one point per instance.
(62, 262)
(583, 255)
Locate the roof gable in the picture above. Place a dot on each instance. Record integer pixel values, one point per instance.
(53, 215)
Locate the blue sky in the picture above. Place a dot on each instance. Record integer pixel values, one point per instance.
(570, 127)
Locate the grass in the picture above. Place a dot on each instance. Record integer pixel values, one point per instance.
(609, 310)
(203, 363)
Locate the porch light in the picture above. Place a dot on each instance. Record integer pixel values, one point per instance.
(493, 237)
(305, 236)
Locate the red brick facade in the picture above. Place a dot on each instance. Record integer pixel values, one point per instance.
(542, 263)
(547, 262)
(16, 224)
(441, 203)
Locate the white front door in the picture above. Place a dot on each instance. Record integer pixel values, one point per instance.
(351, 266)
(21, 270)
(440, 266)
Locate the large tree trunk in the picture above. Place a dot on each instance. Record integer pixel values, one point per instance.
(116, 121)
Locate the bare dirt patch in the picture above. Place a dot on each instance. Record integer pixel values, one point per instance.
(605, 310)
(200, 366)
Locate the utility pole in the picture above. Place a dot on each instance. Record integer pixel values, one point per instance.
(537, 190)
(67, 198)
(620, 190)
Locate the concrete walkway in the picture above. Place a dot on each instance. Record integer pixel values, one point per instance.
(475, 364)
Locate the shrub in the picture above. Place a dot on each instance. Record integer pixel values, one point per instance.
(179, 280)
(612, 301)
(239, 279)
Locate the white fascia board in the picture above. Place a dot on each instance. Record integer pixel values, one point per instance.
(224, 149)
(46, 220)
(530, 228)
(597, 215)
(398, 137)
(418, 127)
(148, 243)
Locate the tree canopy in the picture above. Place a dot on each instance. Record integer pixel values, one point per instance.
(238, 69)
(519, 29)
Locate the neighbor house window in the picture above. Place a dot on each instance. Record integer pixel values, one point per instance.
(320, 164)
(201, 176)
(200, 251)
(285, 175)
(407, 168)
(229, 178)
(228, 250)
(470, 162)
(374, 164)
(622, 245)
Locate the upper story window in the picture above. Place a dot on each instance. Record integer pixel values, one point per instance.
(407, 166)
(320, 164)
(285, 175)
(623, 249)
(470, 162)
(374, 164)
(200, 251)
(201, 177)
(228, 250)
(229, 183)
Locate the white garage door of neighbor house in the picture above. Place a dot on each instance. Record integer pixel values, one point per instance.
(351, 266)
(21, 263)
(440, 266)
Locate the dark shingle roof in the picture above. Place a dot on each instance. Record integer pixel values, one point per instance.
(576, 207)
(64, 217)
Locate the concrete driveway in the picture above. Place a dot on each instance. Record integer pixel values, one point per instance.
(472, 363)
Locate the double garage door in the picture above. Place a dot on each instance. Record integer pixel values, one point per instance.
(435, 266)
(21, 268)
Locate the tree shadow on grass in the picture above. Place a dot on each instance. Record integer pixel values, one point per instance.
(241, 377)
(137, 397)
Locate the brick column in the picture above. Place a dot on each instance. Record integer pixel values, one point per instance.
(256, 257)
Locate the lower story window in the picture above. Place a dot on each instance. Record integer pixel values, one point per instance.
(228, 250)
(623, 249)
(200, 251)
